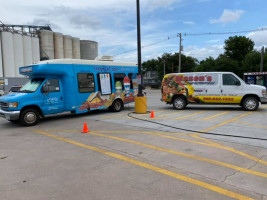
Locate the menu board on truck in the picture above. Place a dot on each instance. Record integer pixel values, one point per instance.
(105, 83)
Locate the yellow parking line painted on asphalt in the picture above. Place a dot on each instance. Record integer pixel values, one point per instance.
(120, 132)
(225, 147)
(190, 115)
(183, 154)
(255, 125)
(225, 122)
(153, 168)
(173, 113)
(207, 118)
(111, 115)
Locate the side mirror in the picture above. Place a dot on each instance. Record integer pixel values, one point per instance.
(46, 88)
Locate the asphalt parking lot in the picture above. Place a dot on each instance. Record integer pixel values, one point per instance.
(145, 158)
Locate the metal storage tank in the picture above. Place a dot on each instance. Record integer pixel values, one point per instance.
(35, 49)
(67, 43)
(76, 51)
(89, 49)
(27, 49)
(58, 45)
(18, 52)
(8, 54)
(46, 44)
(1, 66)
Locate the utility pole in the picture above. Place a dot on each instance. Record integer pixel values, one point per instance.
(180, 50)
(140, 94)
(164, 68)
(262, 56)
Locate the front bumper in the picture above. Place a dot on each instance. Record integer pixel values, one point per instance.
(10, 115)
(263, 100)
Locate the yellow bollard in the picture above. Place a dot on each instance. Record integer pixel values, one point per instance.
(140, 105)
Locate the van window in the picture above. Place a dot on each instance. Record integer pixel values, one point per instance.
(86, 82)
(229, 79)
(51, 85)
(119, 77)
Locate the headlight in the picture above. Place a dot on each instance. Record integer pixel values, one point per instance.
(264, 93)
(12, 105)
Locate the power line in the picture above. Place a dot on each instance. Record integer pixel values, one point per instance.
(225, 33)
(194, 34)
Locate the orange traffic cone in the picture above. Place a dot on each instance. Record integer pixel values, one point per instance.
(152, 114)
(85, 128)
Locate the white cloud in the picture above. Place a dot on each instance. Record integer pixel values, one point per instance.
(259, 38)
(189, 22)
(228, 16)
(205, 52)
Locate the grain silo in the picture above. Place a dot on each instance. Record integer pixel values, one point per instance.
(1, 66)
(18, 52)
(35, 49)
(8, 54)
(46, 44)
(67, 43)
(58, 45)
(89, 49)
(27, 49)
(76, 51)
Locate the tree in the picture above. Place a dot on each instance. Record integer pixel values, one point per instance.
(206, 65)
(252, 61)
(238, 47)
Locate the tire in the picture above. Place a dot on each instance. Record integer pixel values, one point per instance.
(179, 103)
(116, 106)
(250, 104)
(29, 117)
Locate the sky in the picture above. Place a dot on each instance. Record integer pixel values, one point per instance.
(112, 23)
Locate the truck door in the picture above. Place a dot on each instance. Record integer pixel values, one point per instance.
(52, 97)
(231, 89)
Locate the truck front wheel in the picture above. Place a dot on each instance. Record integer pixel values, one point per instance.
(250, 104)
(179, 103)
(29, 117)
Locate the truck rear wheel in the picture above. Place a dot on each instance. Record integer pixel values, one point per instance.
(29, 117)
(117, 105)
(250, 104)
(179, 103)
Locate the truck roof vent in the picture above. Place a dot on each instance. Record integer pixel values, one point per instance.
(105, 58)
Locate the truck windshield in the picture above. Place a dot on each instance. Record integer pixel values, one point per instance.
(32, 85)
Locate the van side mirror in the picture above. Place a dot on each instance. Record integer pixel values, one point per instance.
(46, 88)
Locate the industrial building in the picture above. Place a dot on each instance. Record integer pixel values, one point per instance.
(22, 45)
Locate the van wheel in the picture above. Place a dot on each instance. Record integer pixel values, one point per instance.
(250, 104)
(116, 106)
(179, 103)
(29, 117)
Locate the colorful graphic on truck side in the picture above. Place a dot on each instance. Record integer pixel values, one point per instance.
(193, 88)
(96, 100)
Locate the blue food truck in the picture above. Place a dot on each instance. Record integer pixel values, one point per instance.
(73, 85)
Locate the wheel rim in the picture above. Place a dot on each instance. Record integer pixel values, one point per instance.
(179, 103)
(251, 104)
(30, 117)
(117, 105)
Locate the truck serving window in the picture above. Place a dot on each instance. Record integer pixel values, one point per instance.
(32, 85)
(119, 77)
(86, 82)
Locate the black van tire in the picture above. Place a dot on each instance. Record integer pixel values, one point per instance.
(29, 117)
(250, 104)
(117, 105)
(179, 103)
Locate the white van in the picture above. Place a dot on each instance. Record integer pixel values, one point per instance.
(180, 89)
